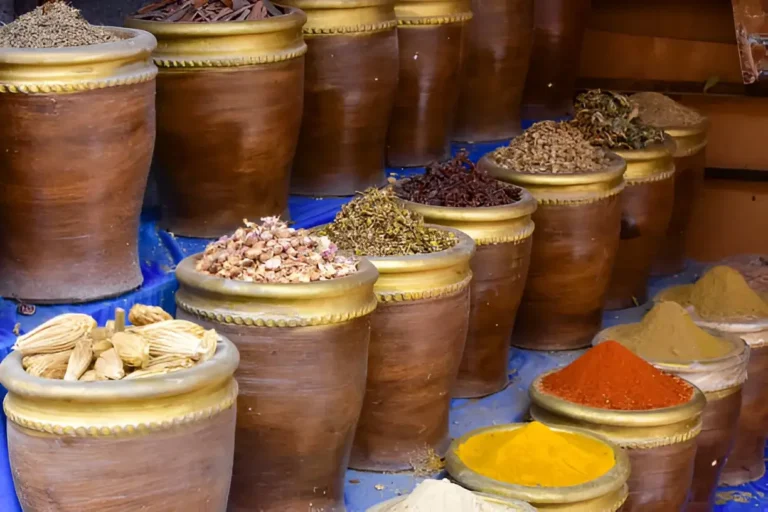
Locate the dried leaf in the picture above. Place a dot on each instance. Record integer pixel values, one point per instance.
(109, 365)
(80, 360)
(132, 349)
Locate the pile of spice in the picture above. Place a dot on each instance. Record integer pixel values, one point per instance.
(549, 147)
(660, 111)
(537, 456)
(71, 346)
(375, 224)
(443, 496)
(457, 183)
(668, 334)
(610, 376)
(53, 25)
(208, 11)
(722, 293)
(754, 269)
(608, 119)
(271, 252)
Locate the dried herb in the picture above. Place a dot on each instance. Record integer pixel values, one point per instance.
(551, 148)
(660, 111)
(208, 11)
(374, 224)
(457, 183)
(610, 120)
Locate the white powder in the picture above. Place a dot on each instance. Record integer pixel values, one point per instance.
(443, 496)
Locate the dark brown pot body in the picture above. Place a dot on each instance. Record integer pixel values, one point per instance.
(498, 50)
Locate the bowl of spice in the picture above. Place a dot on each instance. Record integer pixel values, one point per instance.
(83, 401)
(77, 104)
(299, 311)
(552, 468)
(668, 338)
(722, 301)
(418, 331)
(577, 188)
(497, 216)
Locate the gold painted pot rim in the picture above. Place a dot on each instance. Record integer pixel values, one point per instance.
(217, 369)
(511, 504)
(652, 152)
(611, 481)
(522, 208)
(690, 130)
(643, 418)
(612, 172)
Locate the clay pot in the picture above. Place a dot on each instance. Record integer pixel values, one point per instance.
(229, 104)
(430, 34)
(349, 91)
(304, 351)
(646, 209)
(502, 235)
(78, 130)
(139, 444)
(497, 49)
(690, 159)
(606, 493)
(417, 339)
(577, 235)
(661, 443)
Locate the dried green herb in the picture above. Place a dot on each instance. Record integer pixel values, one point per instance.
(375, 224)
(608, 119)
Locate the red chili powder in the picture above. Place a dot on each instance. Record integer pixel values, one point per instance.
(610, 376)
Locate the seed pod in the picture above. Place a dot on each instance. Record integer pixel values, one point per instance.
(55, 335)
(99, 347)
(169, 325)
(90, 376)
(110, 366)
(169, 362)
(210, 341)
(49, 366)
(132, 349)
(145, 315)
(174, 343)
(80, 360)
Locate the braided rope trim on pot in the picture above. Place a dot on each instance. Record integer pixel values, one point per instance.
(436, 20)
(231, 62)
(433, 293)
(350, 29)
(515, 239)
(63, 88)
(661, 441)
(277, 321)
(131, 429)
(650, 179)
(582, 200)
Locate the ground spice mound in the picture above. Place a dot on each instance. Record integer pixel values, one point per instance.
(754, 268)
(668, 334)
(53, 25)
(457, 183)
(444, 496)
(208, 11)
(375, 224)
(610, 376)
(549, 147)
(661, 111)
(722, 293)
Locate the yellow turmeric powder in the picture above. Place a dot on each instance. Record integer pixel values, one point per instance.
(535, 455)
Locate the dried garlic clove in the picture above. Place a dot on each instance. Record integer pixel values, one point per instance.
(49, 366)
(80, 360)
(99, 347)
(132, 349)
(169, 325)
(109, 328)
(170, 361)
(109, 365)
(145, 315)
(90, 376)
(210, 341)
(57, 334)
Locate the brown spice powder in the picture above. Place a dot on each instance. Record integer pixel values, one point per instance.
(661, 111)
(722, 293)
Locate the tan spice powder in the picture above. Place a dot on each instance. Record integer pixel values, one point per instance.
(722, 293)
(661, 111)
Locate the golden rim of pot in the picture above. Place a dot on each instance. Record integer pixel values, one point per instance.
(503, 504)
(653, 163)
(690, 139)
(486, 225)
(628, 429)
(79, 68)
(344, 17)
(413, 13)
(226, 44)
(605, 486)
(122, 407)
(276, 304)
(565, 188)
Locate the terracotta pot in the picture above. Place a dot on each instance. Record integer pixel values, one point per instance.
(498, 49)
(690, 159)
(646, 206)
(229, 104)
(349, 91)
(146, 444)
(430, 35)
(502, 236)
(304, 351)
(577, 235)
(606, 493)
(661, 444)
(78, 130)
(559, 27)
(417, 338)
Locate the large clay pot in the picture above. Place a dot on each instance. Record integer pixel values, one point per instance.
(155, 444)
(430, 36)
(304, 350)
(417, 338)
(690, 159)
(558, 32)
(661, 444)
(349, 90)
(646, 209)
(578, 221)
(229, 104)
(498, 48)
(77, 132)
(502, 235)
